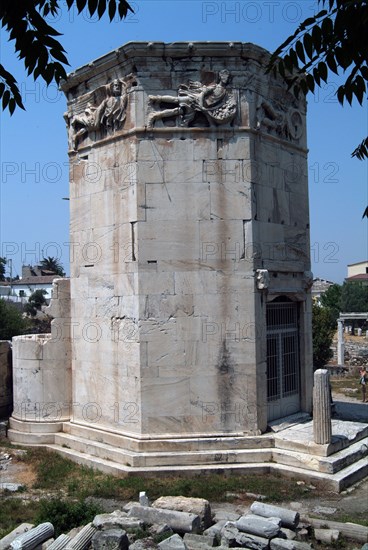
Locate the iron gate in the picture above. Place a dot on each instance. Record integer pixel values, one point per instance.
(283, 368)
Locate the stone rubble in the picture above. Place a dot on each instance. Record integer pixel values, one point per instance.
(177, 523)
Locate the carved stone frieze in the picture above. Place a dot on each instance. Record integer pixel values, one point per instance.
(262, 279)
(104, 111)
(217, 102)
(279, 118)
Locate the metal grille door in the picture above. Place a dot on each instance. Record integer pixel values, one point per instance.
(283, 393)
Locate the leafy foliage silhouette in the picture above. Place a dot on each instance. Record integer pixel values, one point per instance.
(35, 43)
(334, 40)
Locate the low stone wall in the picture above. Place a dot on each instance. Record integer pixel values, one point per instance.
(42, 365)
(356, 351)
(42, 379)
(6, 381)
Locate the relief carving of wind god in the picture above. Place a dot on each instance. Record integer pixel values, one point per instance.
(216, 102)
(104, 112)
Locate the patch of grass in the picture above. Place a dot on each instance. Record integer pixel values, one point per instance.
(66, 514)
(54, 472)
(14, 511)
(51, 469)
(346, 384)
(212, 487)
(360, 518)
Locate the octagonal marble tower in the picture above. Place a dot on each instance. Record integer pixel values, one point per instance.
(190, 303)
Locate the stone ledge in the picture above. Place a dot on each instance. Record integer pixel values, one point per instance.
(161, 49)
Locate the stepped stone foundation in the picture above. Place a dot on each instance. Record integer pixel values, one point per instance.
(190, 308)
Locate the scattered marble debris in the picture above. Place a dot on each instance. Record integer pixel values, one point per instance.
(324, 510)
(326, 535)
(177, 523)
(12, 487)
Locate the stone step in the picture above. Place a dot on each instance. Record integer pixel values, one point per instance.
(288, 421)
(332, 482)
(169, 458)
(35, 427)
(300, 438)
(330, 465)
(327, 464)
(27, 438)
(195, 443)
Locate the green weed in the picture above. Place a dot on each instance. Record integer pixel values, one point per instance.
(14, 511)
(66, 514)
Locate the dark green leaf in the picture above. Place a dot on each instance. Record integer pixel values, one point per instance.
(310, 82)
(92, 6)
(327, 27)
(101, 8)
(317, 37)
(57, 54)
(123, 8)
(349, 94)
(322, 70)
(330, 60)
(316, 76)
(304, 87)
(294, 58)
(6, 97)
(308, 45)
(308, 22)
(361, 152)
(341, 94)
(51, 42)
(48, 73)
(300, 51)
(360, 88)
(364, 71)
(112, 9)
(81, 5)
(12, 105)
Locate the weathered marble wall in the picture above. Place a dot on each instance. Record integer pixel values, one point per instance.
(42, 365)
(189, 212)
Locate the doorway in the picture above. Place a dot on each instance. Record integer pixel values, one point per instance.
(283, 364)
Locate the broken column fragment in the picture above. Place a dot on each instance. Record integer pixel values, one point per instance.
(257, 526)
(83, 539)
(59, 543)
(34, 537)
(322, 429)
(182, 522)
(288, 517)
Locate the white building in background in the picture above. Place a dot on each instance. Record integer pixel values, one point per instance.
(358, 272)
(24, 287)
(33, 278)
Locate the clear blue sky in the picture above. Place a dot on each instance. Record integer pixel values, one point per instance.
(34, 163)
